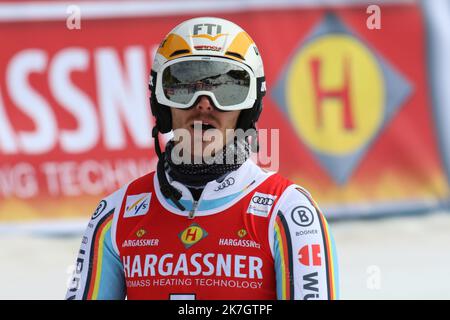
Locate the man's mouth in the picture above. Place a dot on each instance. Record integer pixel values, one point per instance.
(204, 125)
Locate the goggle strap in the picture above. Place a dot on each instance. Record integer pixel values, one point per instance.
(152, 80)
(260, 87)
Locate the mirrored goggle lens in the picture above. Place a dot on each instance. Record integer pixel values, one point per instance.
(229, 82)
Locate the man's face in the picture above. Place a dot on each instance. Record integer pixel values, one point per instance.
(209, 121)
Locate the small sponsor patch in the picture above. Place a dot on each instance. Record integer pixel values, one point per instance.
(191, 235)
(244, 243)
(140, 233)
(302, 216)
(307, 232)
(261, 204)
(310, 255)
(100, 208)
(140, 243)
(242, 233)
(137, 205)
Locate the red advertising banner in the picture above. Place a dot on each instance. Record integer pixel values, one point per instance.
(352, 105)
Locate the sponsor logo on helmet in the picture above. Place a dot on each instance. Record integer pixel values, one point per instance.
(207, 29)
(263, 86)
(302, 216)
(226, 183)
(256, 50)
(137, 205)
(261, 204)
(150, 80)
(206, 47)
(100, 208)
(191, 235)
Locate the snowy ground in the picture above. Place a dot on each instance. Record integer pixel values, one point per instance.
(395, 258)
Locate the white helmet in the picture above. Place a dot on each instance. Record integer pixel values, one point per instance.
(207, 56)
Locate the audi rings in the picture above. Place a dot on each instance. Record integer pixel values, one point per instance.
(262, 200)
(226, 183)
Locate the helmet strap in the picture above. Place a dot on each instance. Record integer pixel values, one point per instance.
(255, 141)
(167, 189)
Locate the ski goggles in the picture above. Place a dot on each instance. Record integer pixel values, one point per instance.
(229, 84)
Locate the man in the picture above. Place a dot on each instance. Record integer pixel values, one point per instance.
(207, 225)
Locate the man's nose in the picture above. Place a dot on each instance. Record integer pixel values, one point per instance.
(204, 104)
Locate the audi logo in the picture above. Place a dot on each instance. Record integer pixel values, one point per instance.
(262, 200)
(226, 183)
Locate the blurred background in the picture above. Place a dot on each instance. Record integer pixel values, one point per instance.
(360, 91)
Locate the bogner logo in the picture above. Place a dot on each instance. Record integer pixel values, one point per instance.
(191, 235)
(302, 216)
(137, 205)
(261, 204)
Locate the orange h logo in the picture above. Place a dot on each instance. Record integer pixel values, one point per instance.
(191, 233)
(343, 94)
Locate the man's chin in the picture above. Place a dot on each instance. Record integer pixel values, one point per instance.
(203, 152)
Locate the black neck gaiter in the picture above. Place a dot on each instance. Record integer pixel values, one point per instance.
(198, 175)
